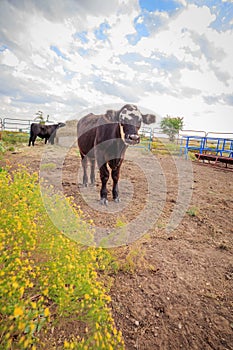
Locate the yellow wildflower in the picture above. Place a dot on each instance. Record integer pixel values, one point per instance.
(21, 326)
(33, 304)
(21, 339)
(18, 311)
(108, 335)
(26, 343)
(46, 291)
(66, 344)
(46, 312)
(19, 225)
(21, 291)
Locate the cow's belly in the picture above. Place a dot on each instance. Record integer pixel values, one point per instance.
(86, 146)
(42, 136)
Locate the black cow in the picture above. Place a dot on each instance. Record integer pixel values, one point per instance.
(105, 138)
(46, 132)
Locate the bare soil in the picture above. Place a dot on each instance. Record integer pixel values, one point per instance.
(175, 288)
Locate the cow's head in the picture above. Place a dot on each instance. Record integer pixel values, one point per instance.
(130, 119)
(61, 125)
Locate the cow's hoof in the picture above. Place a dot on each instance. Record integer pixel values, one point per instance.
(117, 200)
(104, 201)
(82, 185)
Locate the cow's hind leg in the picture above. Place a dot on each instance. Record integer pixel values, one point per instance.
(51, 139)
(84, 165)
(104, 176)
(93, 171)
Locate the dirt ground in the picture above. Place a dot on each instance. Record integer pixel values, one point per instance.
(177, 292)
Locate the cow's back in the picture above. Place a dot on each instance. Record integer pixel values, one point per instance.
(87, 130)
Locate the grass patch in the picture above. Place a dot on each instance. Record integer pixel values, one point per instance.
(48, 166)
(164, 147)
(11, 140)
(48, 280)
(14, 137)
(133, 258)
(193, 211)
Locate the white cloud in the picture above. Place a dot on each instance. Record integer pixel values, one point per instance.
(179, 65)
(9, 58)
(192, 18)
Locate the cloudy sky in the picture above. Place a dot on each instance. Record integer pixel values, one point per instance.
(172, 57)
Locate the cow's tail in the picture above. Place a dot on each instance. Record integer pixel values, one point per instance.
(30, 137)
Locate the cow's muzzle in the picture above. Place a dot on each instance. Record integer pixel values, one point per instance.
(132, 139)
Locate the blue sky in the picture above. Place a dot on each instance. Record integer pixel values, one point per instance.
(156, 5)
(171, 57)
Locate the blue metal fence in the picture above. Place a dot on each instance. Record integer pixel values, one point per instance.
(221, 146)
(147, 134)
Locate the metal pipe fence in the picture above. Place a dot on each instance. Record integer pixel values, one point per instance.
(20, 125)
(219, 145)
(154, 138)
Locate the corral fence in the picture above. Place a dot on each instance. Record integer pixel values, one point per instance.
(152, 139)
(155, 140)
(217, 143)
(20, 125)
(16, 129)
(200, 141)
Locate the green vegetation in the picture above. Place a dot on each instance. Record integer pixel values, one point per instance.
(48, 282)
(40, 117)
(193, 211)
(164, 146)
(171, 126)
(12, 139)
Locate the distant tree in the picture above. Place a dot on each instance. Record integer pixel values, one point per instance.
(171, 126)
(39, 117)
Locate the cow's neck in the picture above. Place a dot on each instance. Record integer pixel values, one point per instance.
(122, 132)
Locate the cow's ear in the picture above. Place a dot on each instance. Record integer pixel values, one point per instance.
(112, 115)
(148, 118)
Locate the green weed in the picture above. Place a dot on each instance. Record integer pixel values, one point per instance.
(193, 211)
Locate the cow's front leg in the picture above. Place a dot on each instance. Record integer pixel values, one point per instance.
(115, 165)
(115, 178)
(104, 176)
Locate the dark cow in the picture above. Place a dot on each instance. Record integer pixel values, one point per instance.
(46, 132)
(104, 138)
